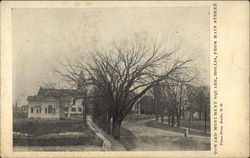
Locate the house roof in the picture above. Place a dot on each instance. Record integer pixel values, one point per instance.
(49, 98)
(55, 92)
(47, 93)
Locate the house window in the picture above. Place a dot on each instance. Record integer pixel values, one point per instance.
(46, 110)
(38, 109)
(73, 109)
(50, 109)
(80, 109)
(31, 110)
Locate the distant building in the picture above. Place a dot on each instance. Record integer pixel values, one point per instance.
(20, 111)
(53, 103)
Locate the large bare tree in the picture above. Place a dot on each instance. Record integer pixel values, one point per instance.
(124, 73)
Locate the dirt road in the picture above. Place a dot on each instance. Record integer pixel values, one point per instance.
(152, 139)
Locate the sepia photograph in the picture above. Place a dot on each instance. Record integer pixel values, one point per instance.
(124, 79)
(111, 79)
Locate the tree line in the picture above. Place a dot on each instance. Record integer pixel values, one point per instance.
(176, 101)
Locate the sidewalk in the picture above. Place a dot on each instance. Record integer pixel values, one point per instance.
(115, 144)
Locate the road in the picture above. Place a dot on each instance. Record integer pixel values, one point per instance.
(154, 139)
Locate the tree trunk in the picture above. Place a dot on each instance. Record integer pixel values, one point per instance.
(189, 121)
(116, 125)
(162, 113)
(136, 108)
(69, 109)
(205, 119)
(156, 112)
(139, 109)
(108, 123)
(178, 117)
(156, 117)
(200, 110)
(172, 121)
(111, 125)
(169, 115)
(116, 130)
(85, 113)
(183, 115)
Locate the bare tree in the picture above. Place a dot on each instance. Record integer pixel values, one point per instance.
(199, 99)
(75, 79)
(193, 105)
(181, 101)
(124, 73)
(174, 92)
(157, 98)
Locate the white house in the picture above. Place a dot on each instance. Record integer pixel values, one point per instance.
(53, 103)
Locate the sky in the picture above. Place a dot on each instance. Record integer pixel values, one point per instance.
(42, 37)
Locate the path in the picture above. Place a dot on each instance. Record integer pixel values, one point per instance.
(115, 144)
(148, 138)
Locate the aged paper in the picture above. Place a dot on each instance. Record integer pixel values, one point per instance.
(190, 100)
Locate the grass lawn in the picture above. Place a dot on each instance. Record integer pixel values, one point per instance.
(127, 139)
(45, 132)
(138, 117)
(44, 126)
(165, 126)
(194, 124)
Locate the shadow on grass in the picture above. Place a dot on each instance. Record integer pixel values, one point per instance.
(138, 117)
(127, 139)
(164, 126)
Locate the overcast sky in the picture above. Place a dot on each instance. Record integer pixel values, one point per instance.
(41, 37)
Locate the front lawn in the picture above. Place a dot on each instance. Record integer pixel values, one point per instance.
(44, 126)
(48, 132)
